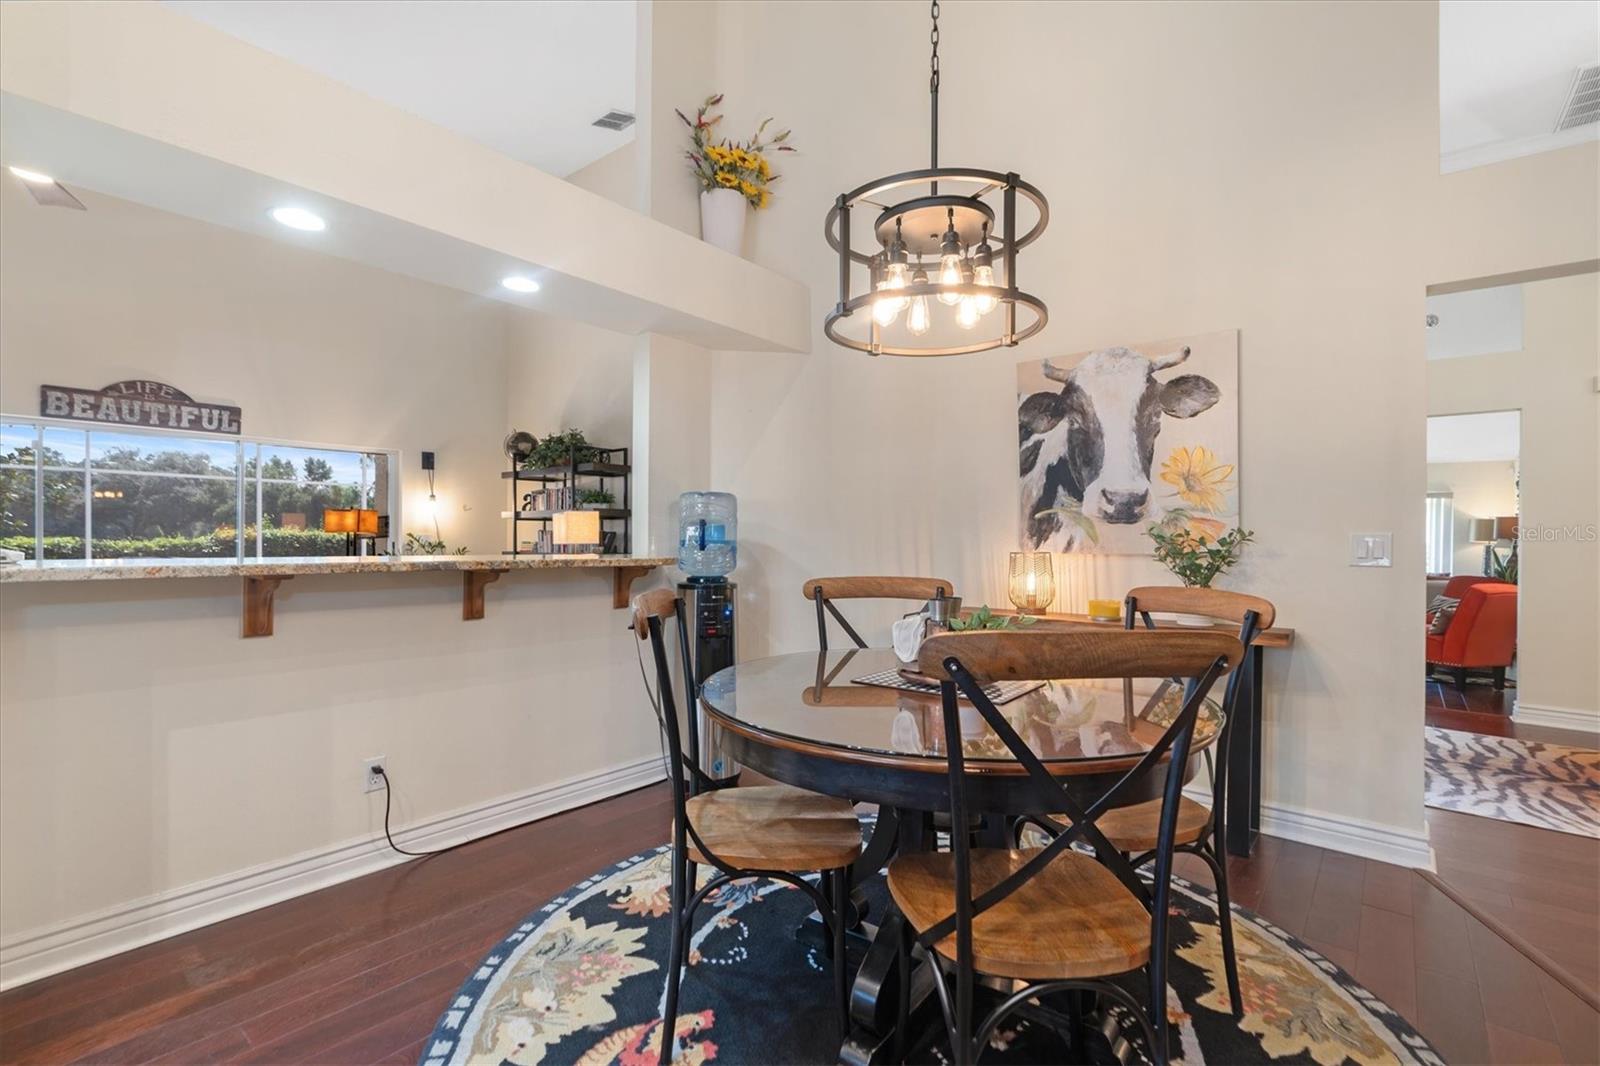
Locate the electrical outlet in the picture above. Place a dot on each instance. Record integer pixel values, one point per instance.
(371, 779)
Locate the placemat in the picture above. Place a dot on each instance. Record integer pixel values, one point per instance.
(998, 693)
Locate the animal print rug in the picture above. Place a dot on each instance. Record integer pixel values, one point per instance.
(580, 981)
(1547, 785)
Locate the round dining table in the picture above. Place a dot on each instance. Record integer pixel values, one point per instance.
(834, 722)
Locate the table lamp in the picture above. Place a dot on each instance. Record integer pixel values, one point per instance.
(341, 520)
(1033, 582)
(576, 529)
(1489, 531)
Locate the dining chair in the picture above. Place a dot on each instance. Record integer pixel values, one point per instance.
(824, 590)
(1201, 830)
(767, 831)
(1051, 919)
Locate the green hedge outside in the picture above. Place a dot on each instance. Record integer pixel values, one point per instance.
(221, 544)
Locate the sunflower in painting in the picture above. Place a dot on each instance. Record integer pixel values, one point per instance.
(1199, 479)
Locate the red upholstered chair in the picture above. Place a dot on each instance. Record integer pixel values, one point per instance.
(1482, 635)
(1457, 586)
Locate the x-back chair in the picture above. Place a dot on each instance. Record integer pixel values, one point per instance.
(1051, 918)
(824, 590)
(1201, 831)
(770, 831)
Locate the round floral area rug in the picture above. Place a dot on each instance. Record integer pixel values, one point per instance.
(580, 981)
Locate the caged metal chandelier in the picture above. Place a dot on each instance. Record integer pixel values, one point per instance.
(943, 248)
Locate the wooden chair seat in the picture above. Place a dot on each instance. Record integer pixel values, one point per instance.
(775, 827)
(1135, 828)
(1073, 919)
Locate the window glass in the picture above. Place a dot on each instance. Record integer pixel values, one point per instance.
(293, 517)
(151, 495)
(116, 450)
(156, 516)
(16, 444)
(16, 510)
(63, 515)
(64, 447)
(282, 463)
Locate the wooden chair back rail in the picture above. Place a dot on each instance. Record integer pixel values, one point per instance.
(1042, 656)
(1213, 603)
(877, 588)
(657, 603)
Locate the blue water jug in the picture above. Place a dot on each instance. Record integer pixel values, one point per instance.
(707, 529)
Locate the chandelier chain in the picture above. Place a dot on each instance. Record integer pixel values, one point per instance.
(933, 61)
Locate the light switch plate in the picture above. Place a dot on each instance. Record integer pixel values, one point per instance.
(1372, 549)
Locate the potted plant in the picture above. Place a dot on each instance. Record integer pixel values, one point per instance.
(595, 499)
(734, 176)
(559, 449)
(1197, 551)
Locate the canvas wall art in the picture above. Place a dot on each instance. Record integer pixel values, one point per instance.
(1122, 438)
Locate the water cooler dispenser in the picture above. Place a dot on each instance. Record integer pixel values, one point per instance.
(707, 553)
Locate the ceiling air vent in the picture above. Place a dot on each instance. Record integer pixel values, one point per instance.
(1583, 102)
(614, 120)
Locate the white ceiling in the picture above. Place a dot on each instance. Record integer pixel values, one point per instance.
(525, 77)
(1482, 438)
(1505, 69)
(1476, 322)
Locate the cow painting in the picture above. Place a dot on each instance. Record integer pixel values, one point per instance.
(1088, 442)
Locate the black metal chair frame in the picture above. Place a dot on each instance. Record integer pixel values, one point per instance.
(1208, 845)
(825, 607)
(1177, 740)
(688, 780)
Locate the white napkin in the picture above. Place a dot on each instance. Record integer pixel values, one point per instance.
(906, 635)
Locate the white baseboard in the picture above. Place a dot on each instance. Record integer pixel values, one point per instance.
(1556, 717)
(1354, 836)
(38, 953)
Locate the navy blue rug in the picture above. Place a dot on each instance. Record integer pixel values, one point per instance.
(580, 981)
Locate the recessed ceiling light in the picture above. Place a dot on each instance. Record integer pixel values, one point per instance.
(299, 218)
(33, 177)
(518, 283)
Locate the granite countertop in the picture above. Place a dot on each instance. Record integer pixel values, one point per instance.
(289, 566)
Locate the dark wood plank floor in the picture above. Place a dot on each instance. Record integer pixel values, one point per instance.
(359, 972)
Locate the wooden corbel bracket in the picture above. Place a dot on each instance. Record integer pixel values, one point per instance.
(258, 596)
(622, 579)
(472, 586)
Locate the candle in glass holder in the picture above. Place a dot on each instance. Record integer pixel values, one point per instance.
(1033, 582)
(1105, 610)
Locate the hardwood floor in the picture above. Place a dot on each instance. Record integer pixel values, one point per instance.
(359, 972)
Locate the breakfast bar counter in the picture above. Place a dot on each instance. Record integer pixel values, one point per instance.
(261, 577)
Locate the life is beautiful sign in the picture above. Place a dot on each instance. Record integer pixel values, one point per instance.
(137, 403)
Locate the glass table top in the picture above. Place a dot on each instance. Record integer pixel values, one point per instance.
(810, 698)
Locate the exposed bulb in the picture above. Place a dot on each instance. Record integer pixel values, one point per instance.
(984, 275)
(967, 314)
(895, 278)
(885, 309)
(950, 274)
(918, 320)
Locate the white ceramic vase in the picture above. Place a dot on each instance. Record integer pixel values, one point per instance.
(1196, 620)
(722, 217)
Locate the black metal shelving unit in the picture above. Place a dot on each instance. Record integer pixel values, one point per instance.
(609, 466)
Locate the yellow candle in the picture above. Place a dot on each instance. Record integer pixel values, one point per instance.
(1105, 610)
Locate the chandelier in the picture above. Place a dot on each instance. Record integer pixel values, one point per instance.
(942, 249)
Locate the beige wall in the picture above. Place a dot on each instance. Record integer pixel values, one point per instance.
(1206, 170)
(149, 758)
(1552, 381)
(312, 348)
(1477, 490)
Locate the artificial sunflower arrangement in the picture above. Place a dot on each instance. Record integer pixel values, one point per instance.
(725, 164)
